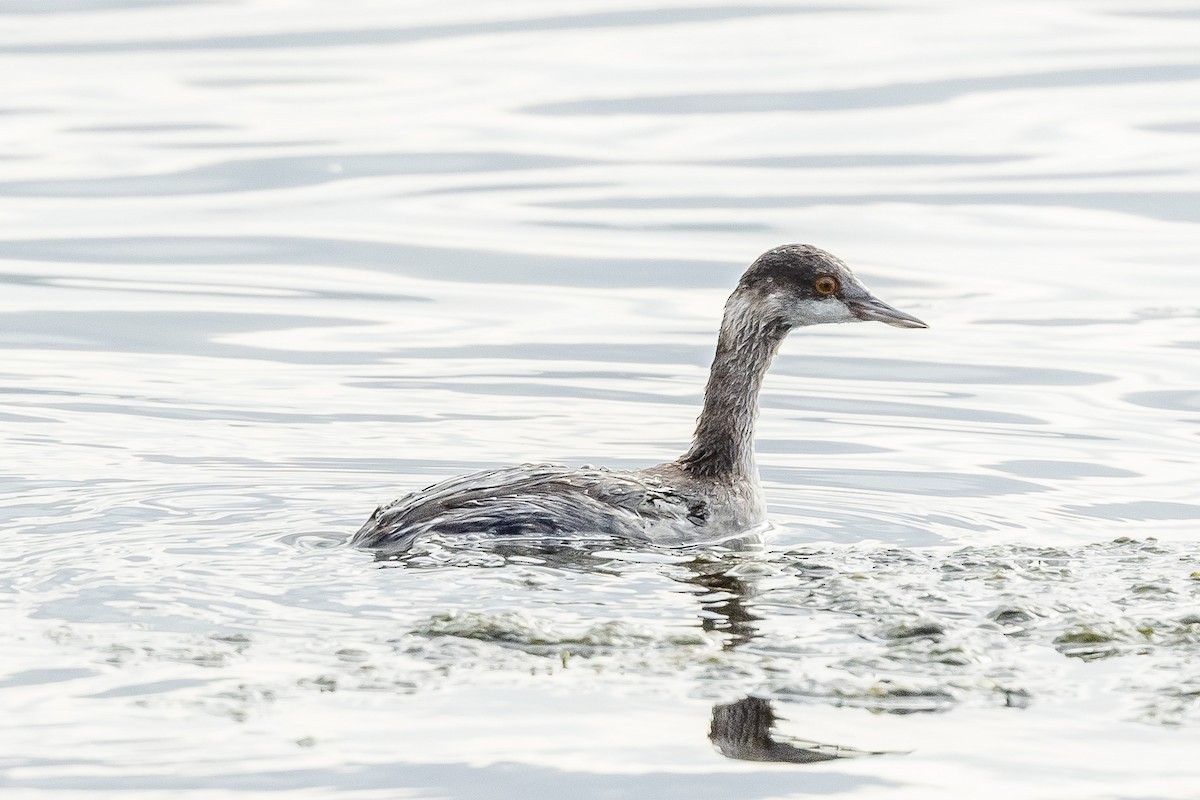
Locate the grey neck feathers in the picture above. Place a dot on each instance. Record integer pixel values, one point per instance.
(723, 446)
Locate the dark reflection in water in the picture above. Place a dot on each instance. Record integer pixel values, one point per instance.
(247, 145)
(266, 80)
(1176, 127)
(921, 483)
(467, 781)
(854, 160)
(1170, 13)
(174, 332)
(417, 33)
(643, 225)
(1061, 470)
(284, 172)
(744, 730)
(152, 127)
(725, 604)
(1164, 205)
(433, 263)
(23, 7)
(1167, 399)
(879, 96)
(1138, 510)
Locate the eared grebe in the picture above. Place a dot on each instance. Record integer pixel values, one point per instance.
(710, 492)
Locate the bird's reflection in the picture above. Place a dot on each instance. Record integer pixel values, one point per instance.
(725, 606)
(745, 730)
(724, 598)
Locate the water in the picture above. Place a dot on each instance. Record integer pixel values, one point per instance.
(266, 265)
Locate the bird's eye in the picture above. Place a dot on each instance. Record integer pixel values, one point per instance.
(825, 285)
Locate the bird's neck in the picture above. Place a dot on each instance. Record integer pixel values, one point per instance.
(723, 446)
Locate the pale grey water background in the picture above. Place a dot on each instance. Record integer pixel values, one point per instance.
(266, 264)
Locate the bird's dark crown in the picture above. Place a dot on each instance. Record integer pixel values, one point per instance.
(791, 268)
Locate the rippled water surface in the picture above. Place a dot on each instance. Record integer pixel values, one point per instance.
(265, 264)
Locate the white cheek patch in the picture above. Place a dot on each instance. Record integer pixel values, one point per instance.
(819, 312)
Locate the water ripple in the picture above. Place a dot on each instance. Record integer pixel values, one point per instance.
(1164, 205)
(881, 96)
(447, 264)
(1168, 399)
(284, 172)
(662, 16)
(38, 7)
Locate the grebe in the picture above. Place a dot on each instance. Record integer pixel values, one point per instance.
(710, 492)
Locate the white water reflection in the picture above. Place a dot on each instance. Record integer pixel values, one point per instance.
(264, 266)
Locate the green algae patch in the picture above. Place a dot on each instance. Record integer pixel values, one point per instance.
(914, 630)
(539, 636)
(1083, 636)
(1086, 643)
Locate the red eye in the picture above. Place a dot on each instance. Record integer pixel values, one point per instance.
(825, 285)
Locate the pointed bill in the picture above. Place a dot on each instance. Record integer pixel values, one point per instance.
(871, 309)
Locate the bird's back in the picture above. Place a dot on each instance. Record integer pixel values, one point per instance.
(538, 500)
